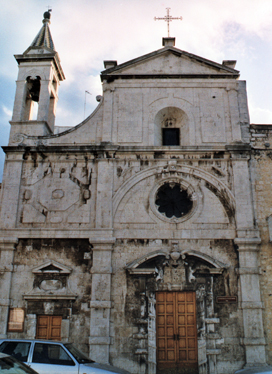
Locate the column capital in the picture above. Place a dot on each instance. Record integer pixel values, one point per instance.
(8, 244)
(102, 244)
(247, 244)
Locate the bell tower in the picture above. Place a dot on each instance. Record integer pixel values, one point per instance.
(39, 76)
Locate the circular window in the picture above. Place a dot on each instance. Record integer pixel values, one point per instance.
(173, 201)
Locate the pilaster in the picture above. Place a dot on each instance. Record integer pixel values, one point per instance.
(104, 194)
(251, 305)
(11, 190)
(101, 304)
(7, 248)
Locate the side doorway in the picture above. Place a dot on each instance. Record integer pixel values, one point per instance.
(176, 331)
(48, 327)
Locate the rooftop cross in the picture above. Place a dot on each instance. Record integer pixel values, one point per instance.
(168, 19)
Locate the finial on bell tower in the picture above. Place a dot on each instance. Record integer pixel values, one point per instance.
(40, 74)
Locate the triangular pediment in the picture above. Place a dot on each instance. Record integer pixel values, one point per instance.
(170, 61)
(51, 266)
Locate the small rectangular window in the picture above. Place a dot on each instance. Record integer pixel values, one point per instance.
(170, 136)
(16, 320)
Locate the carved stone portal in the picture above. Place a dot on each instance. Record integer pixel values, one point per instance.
(178, 271)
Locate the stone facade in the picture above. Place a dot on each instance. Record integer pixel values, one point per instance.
(157, 201)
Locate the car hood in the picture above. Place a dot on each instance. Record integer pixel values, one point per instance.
(111, 368)
(255, 370)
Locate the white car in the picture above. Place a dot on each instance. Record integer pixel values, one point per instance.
(50, 357)
(255, 370)
(9, 365)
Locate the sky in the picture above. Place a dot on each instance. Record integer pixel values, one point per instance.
(87, 32)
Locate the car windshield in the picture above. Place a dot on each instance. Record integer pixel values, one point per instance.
(78, 355)
(9, 366)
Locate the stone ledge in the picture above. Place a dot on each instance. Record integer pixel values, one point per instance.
(4, 302)
(213, 352)
(8, 244)
(102, 270)
(245, 271)
(99, 340)
(253, 341)
(252, 305)
(101, 304)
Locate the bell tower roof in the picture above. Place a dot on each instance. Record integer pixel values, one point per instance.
(44, 37)
(42, 48)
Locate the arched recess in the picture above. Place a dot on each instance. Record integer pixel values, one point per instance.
(171, 127)
(181, 171)
(181, 110)
(172, 271)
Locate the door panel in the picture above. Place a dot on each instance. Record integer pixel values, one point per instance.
(176, 332)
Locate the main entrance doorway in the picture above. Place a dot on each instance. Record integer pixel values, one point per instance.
(48, 327)
(176, 333)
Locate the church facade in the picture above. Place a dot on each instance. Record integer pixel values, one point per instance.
(141, 234)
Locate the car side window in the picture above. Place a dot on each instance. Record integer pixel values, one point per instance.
(52, 354)
(18, 350)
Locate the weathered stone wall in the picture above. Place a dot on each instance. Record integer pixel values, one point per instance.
(52, 277)
(261, 139)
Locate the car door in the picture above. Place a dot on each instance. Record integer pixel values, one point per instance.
(52, 358)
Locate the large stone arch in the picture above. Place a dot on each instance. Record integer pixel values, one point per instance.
(174, 170)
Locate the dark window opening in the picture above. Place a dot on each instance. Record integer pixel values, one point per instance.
(173, 201)
(170, 136)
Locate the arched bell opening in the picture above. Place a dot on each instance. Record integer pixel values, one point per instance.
(32, 97)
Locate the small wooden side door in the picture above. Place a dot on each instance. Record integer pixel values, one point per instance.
(176, 332)
(48, 327)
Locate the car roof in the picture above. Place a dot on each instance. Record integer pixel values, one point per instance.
(3, 355)
(31, 340)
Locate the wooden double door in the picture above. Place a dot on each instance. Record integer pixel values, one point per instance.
(48, 327)
(176, 332)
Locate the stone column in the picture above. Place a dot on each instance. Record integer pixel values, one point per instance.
(44, 101)
(251, 304)
(101, 304)
(19, 101)
(7, 248)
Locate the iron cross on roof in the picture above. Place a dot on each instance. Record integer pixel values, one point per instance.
(168, 19)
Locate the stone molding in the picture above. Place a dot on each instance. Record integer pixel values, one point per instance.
(248, 270)
(247, 244)
(253, 341)
(99, 340)
(8, 244)
(101, 304)
(101, 270)
(102, 244)
(252, 305)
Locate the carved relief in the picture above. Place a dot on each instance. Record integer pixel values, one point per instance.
(56, 194)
